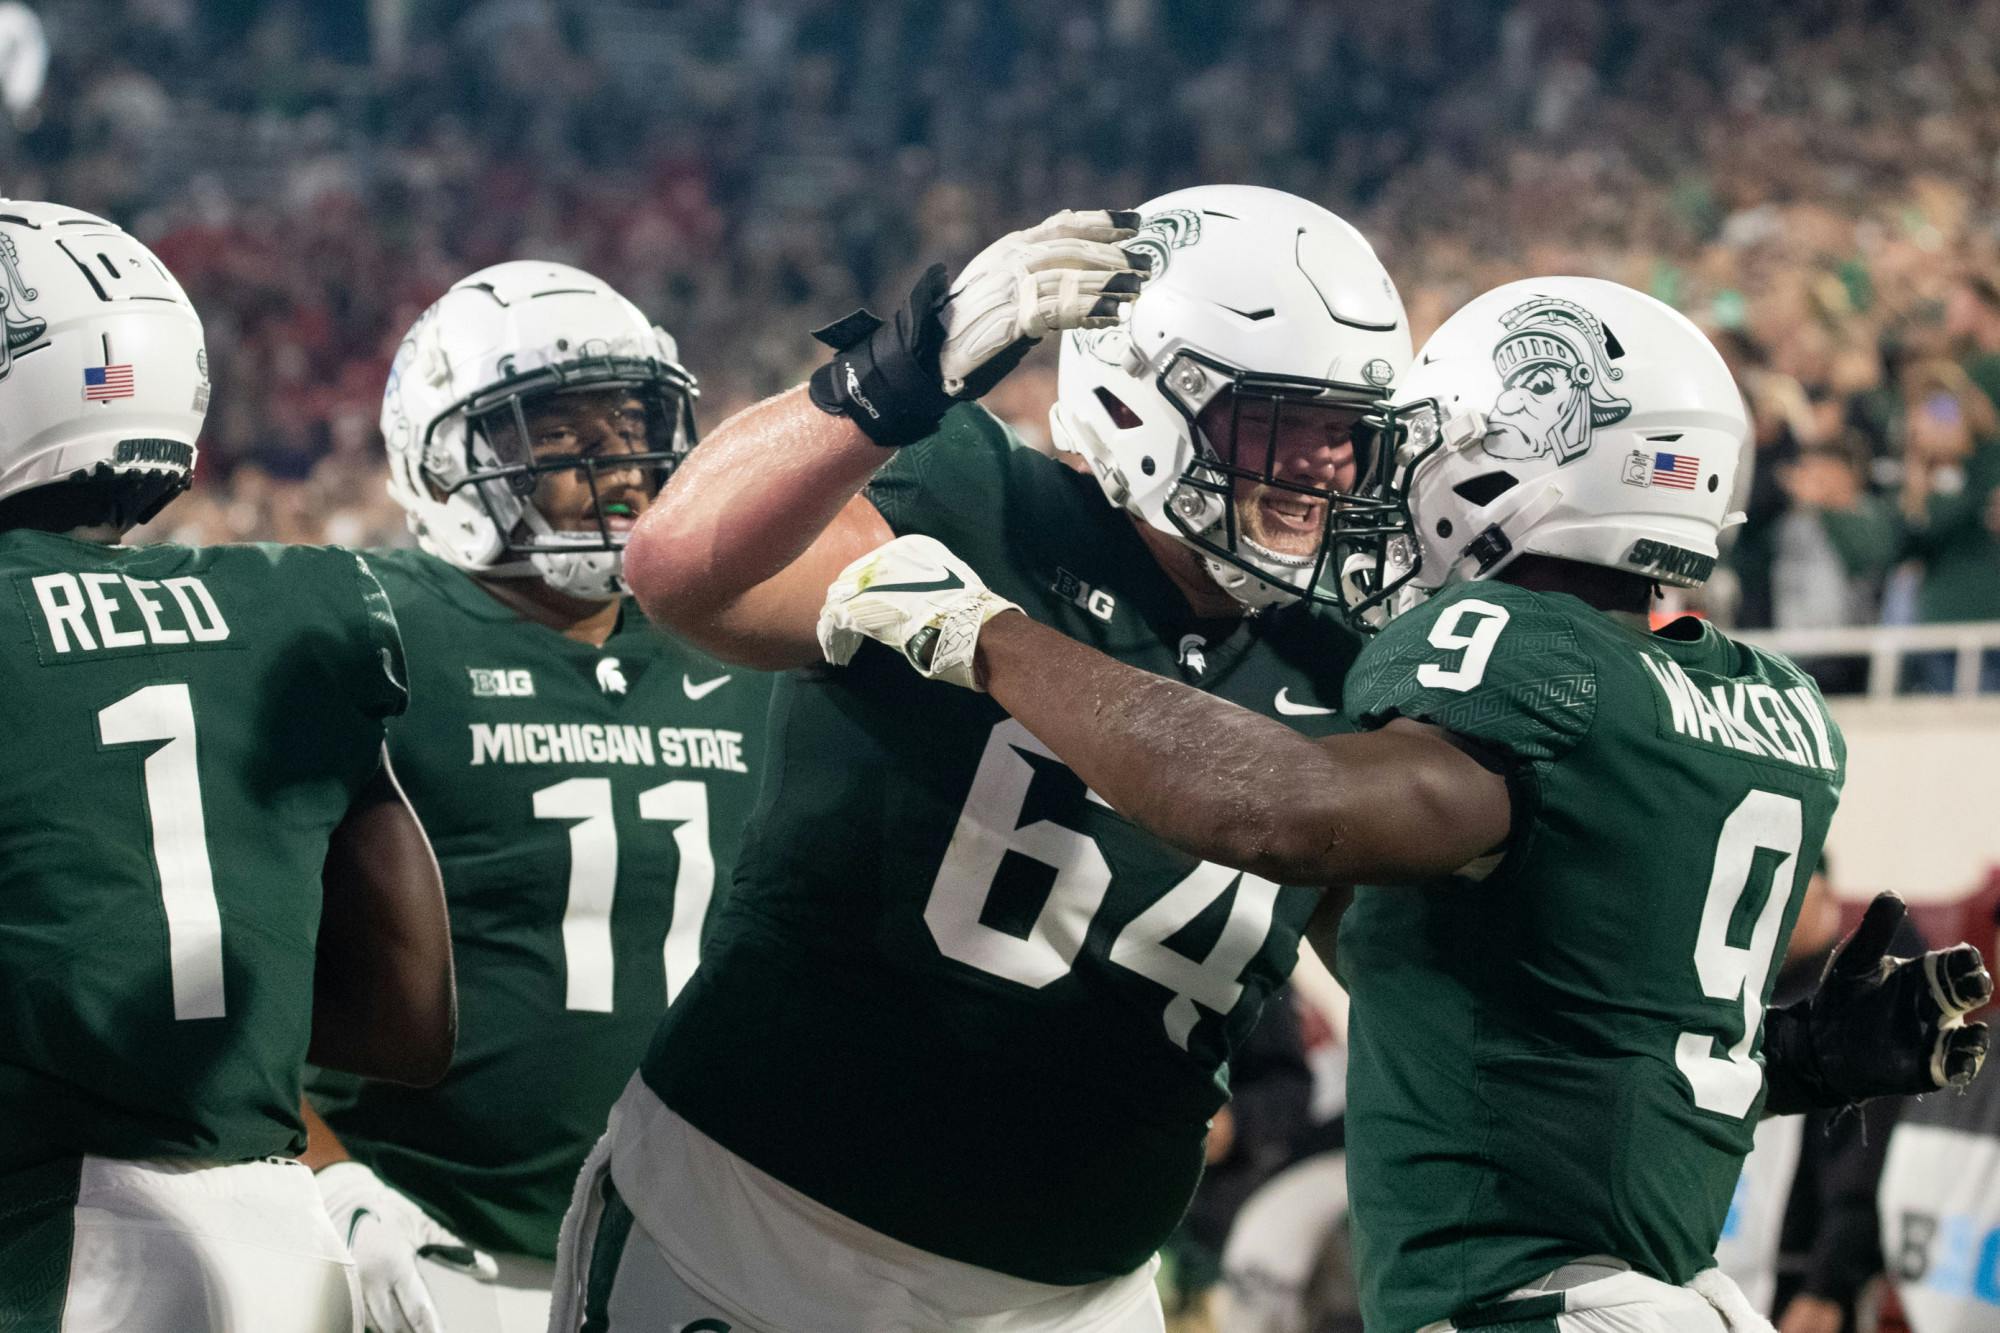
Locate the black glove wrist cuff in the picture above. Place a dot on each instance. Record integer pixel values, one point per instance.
(884, 376)
(1793, 1080)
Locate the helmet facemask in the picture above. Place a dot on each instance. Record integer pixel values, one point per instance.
(617, 425)
(1379, 560)
(1267, 533)
(1469, 515)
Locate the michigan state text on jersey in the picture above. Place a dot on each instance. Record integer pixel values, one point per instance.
(585, 779)
(585, 804)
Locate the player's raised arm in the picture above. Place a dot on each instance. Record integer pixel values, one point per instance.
(1400, 804)
(383, 1000)
(738, 550)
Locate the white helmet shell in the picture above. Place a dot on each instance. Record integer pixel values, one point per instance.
(1245, 282)
(501, 334)
(1565, 417)
(102, 368)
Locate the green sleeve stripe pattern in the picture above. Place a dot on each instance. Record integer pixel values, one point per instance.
(387, 641)
(37, 1232)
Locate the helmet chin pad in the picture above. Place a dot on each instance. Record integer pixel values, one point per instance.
(590, 571)
(589, 575)
(1252, 592)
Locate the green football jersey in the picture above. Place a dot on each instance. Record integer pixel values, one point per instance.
(586, 805)
(185, 728)
(1561, 1059)
(956, 997)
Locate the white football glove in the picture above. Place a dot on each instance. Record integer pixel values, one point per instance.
(1064, 273)
(954, 339)
(387, 1234)
(917, 597)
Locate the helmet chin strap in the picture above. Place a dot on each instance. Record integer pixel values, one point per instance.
(1072, 434)
(564, 570)
(513, 569)
(590, 574)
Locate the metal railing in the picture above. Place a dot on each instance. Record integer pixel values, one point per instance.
(1886, 647)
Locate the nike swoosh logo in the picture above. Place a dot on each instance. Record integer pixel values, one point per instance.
(945, 584)
(354, 1224)
(706, 688)
(1290, 709)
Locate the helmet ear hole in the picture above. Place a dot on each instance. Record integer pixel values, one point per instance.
(1485, 488)
(1122, 416)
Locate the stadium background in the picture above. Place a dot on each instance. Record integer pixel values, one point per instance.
(1814, 182)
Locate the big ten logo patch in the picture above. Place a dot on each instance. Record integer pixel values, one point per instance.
(1075, 591)
(497, 683)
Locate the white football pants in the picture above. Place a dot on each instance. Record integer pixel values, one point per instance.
(516, 1302)
(1628, 1302)
(189, 1247)
(1278, 1246)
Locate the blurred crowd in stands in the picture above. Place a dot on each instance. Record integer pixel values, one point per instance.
(1817, 183)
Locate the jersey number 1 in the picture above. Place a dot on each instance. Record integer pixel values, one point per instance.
(1763, 822)
(180, 839)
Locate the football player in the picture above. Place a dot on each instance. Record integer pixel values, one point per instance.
(1595, 837)
(584, 778)
(951, 1061)
(207, 872)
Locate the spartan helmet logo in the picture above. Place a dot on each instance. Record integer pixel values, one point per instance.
(1162, 234)
(21, 329)
(610, 676)
(1555, 370)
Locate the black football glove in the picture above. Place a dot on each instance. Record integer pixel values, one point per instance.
(954, 340)
(1877, 1026)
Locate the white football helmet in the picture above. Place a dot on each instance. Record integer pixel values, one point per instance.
(1565, 417)
(1255, 293)
(102, 369)
(461, 462)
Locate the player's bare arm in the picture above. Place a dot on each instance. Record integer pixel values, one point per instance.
(383, 1000)
(323, 1146)
(1396, 805)
(1401, 804)
(737, 552)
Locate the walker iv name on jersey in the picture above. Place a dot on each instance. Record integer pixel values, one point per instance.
(1747, 716)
